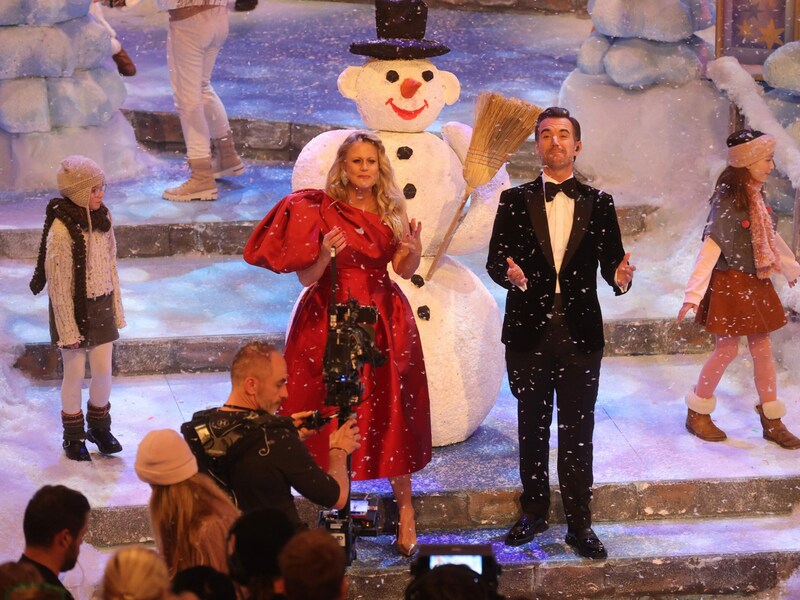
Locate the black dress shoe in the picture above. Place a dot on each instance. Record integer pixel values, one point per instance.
(105, 440)
(586, 543)
(76, 450)
(525, 529)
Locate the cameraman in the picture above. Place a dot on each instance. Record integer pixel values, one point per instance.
(270, 458)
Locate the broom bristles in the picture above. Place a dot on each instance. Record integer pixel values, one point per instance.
(501, 126)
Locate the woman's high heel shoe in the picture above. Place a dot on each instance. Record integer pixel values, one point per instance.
(406, 547)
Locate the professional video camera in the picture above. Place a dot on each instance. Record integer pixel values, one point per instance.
(479, 558)
(351, 345)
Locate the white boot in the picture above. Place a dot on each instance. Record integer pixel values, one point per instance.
(200, 186)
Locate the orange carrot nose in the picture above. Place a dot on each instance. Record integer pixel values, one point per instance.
(409, 87)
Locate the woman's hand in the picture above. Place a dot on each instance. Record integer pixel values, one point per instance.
(334, 239)
(687, 306)
(411, 244)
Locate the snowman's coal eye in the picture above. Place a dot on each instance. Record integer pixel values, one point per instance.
(392, 76)
(427, 75)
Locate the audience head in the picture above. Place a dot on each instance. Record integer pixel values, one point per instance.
(135, 573)
(22, 581)
(203, 583)
(258, 372)
(182, 499)
(313, 567)
(256, 539)
(164, 458)
(55, 522)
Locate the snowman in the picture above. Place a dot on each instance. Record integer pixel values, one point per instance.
(399, 93)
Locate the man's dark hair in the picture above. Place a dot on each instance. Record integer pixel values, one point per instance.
(258, 537)
(313, 566)
(51, 510)
(204, 582)
(556, 112)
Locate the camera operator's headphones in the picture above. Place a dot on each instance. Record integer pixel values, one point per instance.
(439, 583)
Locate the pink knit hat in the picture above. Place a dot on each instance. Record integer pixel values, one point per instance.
(164, 458)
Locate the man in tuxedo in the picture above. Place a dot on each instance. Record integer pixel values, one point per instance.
(549, 237)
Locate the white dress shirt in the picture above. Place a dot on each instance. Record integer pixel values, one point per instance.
(559, 222)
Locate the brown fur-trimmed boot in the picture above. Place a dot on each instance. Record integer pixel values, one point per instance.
(226, 163)
(74, 444)
(698, 419)
(774, 429)
(200, 186)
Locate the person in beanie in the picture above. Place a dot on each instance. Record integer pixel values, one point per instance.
(197, 30)
(78, 262)
(730, 288)
(190, 515)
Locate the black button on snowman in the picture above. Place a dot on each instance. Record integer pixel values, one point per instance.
(399, 93)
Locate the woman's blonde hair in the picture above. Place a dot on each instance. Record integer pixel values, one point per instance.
(135, 573)
(178, 510)
(391, 203)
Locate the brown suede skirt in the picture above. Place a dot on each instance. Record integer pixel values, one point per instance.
(102, 322)
(738, 303)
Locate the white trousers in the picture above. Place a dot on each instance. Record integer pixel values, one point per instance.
(192, 48)
(74, 370)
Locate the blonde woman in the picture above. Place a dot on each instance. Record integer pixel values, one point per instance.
(361, 216)
(135, 573)
(190, 515)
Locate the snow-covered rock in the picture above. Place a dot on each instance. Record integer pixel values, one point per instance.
(591, 54)
(647, 146)
(637, 63)
(41, 12)
(23, 105)
(87, 98)
(657, 20)
(30, 162)
(782, 67)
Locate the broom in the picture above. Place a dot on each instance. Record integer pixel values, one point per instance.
(501, 126)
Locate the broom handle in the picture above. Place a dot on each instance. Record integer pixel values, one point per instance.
(451, 231)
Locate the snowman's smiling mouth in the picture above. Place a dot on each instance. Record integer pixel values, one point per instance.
(406, 114)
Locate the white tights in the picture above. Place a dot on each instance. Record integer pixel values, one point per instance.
(74, 370)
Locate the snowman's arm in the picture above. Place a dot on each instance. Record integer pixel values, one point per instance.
(475, 230)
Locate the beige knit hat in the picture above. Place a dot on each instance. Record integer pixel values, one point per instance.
(76, 177)
(164, 458)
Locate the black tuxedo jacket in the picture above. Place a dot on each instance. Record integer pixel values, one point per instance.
(521, 232)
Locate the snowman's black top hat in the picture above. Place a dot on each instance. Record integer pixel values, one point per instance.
(401, 29)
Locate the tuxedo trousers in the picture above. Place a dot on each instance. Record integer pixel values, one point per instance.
(556, 367)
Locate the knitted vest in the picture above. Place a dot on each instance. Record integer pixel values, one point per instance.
(74, 218)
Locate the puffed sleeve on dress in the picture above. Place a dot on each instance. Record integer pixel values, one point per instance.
(288, 238)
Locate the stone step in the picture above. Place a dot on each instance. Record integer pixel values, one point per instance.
(196, 354)
(189, 314)
(647, 468)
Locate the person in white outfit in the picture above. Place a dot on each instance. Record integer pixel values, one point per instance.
(78, 262)
(197, 30)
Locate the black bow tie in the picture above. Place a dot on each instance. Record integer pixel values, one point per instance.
(567, 187)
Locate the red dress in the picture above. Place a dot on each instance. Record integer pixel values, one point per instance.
(394, 418)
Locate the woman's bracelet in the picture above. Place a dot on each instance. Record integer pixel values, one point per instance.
(339, 448)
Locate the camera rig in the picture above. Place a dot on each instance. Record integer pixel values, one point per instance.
(350, 345)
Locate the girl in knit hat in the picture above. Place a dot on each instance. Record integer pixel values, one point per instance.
(78, 261)
(730, 288)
